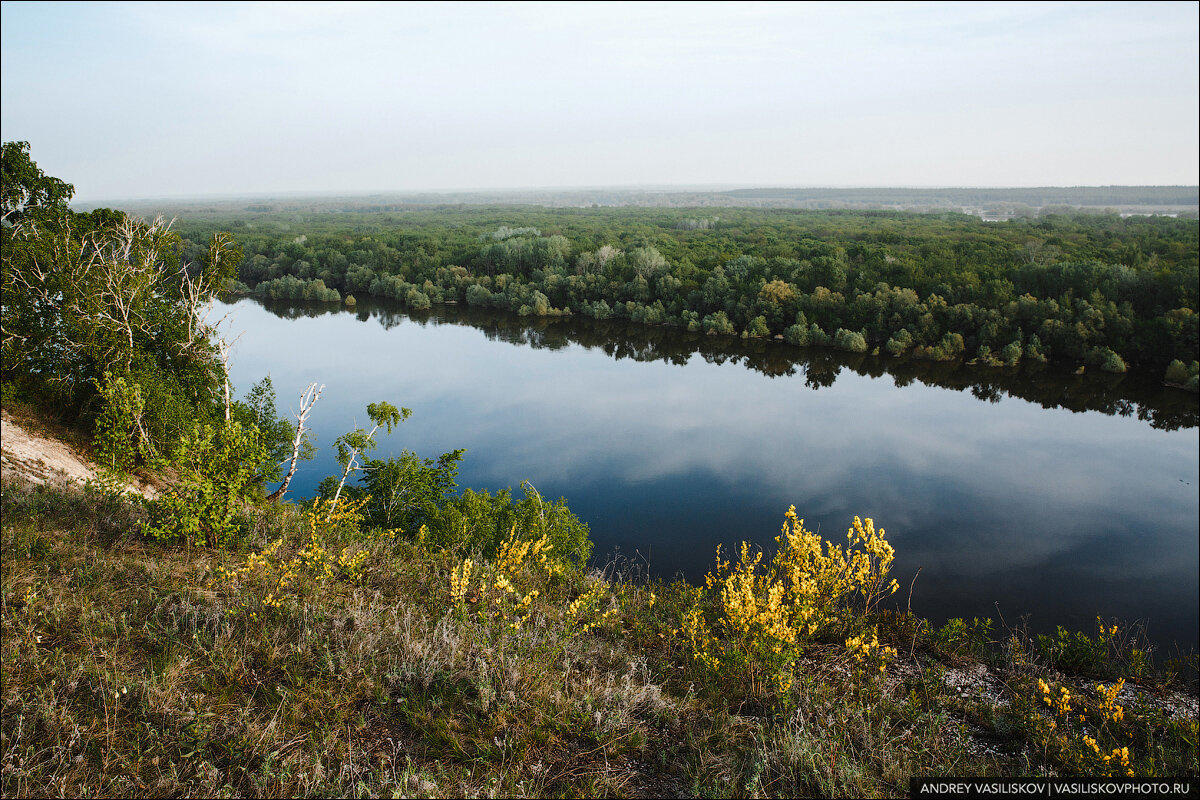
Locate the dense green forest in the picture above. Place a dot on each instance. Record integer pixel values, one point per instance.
(1094, 289)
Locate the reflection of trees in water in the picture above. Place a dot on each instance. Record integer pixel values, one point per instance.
(1049, 386)
(289, 309)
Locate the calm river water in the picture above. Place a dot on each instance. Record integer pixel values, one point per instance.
(1038, 494)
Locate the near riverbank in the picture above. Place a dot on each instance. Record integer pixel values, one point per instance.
(325, 659)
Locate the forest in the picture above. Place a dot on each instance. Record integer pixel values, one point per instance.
(1096, 290)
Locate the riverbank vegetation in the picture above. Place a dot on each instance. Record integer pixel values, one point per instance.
(1091, 289)
(1050, 385)
(400, 635)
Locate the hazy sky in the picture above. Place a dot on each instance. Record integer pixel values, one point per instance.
(165, 99)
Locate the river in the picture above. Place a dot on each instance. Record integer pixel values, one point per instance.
(1028, 494)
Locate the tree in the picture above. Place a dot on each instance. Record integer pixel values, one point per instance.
(351, 445)
(407, 492)
(263, 410)
(87, 295)
(27, 188)
(646, 261)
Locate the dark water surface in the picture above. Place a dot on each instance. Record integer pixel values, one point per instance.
(1056, 496)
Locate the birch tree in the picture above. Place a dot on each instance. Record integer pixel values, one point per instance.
(308, 399)
(358, 441)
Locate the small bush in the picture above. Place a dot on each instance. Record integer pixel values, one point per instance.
(752, 620)
(850, 341)
(119, 437)
(218, 468)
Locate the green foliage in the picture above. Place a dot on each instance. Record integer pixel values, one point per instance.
(258, 410)
(359, 440)
(850, 341)
(757, 328)
(1011, 353)
(26, 189)
(1107, 360)
(1177, 373)
(218, 472)
(1110, 652)
(797, 334)
(119, 438)
(387, 415)
(1183, 376)
(416, 299)
(899, 342)
(478, 295)
(1072, 652)
(96, 294)
(1080, 283)
(288, 287)
(718, 323)
(958, 638)
(481, 522)
(408, 492)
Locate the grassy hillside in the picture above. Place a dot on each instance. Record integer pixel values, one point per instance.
(326, 658)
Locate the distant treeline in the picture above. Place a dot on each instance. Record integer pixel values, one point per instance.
(1036, 197)
(1181, 200)
(1095, 289)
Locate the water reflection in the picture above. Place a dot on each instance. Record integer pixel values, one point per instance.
(1003, 485)
(1050, 386)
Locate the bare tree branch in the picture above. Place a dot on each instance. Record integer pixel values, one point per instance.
(308, 399)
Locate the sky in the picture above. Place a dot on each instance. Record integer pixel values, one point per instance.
(141, 100)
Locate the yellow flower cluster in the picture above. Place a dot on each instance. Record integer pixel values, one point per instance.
(523, 609)
(585, 609)
(515, 552)
(350, 562)
(1119, 757)
(508, 586)
(1102, 714)
(868, 652)
(460, 580)
(274, 575)
(1061, 704)
(327, 514)
(763, 612)
(1108, 700)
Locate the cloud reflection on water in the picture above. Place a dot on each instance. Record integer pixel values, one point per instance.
(985, 496)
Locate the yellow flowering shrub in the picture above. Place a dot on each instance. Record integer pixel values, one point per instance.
(268, 579)
(867, 654)
(754, 617)
(523, 570)
(584, 611)
(460, 580)
(1083, 733)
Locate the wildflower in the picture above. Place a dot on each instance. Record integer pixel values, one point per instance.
(767, 609)
(459, 580)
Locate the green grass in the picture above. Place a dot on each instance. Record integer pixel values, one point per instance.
(137, 668)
